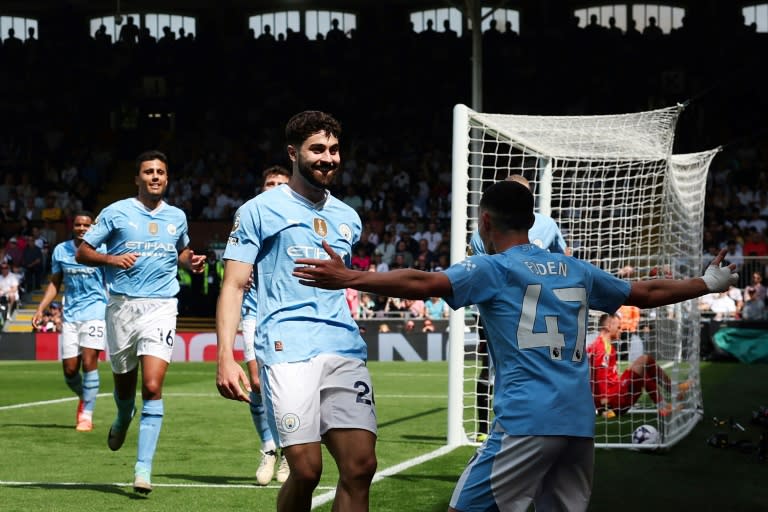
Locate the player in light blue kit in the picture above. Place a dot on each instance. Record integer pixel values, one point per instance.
(82, 335)
(535, 305)
(545, 234)
(273, 176)
(146, 239)
(314, 380)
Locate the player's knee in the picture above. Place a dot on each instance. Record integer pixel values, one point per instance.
(152, 389)
(361, 469)
(306, 475)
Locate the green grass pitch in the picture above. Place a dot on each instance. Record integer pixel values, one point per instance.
(208, 449)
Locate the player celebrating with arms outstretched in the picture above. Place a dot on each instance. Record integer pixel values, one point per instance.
(534, 304)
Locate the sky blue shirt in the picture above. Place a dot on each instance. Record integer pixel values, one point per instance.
(296, 322)
(544, 233)
(157, 236)
(535, 306)
(248, 310)
(85, 295)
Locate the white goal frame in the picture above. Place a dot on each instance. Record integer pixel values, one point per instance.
(655, 219)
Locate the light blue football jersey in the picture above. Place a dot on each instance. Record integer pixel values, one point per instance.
(296, 322)
(157, 236)
(544, 233)
(249, 302)
(85, 295)
(535, 306)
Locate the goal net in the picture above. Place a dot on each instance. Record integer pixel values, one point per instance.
(624, 203)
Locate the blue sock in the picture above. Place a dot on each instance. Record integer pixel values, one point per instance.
(259, 417)
(75, 383)
(149, 432)
(124, 412)
(90, 390)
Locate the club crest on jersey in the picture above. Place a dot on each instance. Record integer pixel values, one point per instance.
(171, 229)
(346, 232)
(278, 346)
(321, 228)
(290, 422)
(236, 222)
(153, 228)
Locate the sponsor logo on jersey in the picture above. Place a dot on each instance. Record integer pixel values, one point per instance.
(321, 228)
(153, 228)
(233, 240)
(171, 229)
(346, 232)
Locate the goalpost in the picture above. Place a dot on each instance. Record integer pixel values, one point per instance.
(621, 200)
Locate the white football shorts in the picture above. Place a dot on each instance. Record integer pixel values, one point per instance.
(77, 335)
(510, 472)
(306, 399)
(139, 327)
(249, 336)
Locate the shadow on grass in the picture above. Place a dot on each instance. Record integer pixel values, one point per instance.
(103, 488)
(412, 417)
(36, 425)
(211, 479)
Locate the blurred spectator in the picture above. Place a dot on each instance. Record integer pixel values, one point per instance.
(15, 251)
(33, 263)
(379, 263)
(353, 301)
(361, 260)
(436, 308)
(9, 289)
(428, 326)
(367, 306)
(386, 248)
(754, 307)
(415, 307)
(735, 254)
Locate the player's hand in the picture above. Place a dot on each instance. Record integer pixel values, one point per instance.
(232, 381)
(330, 274)
(719, 278)
(196, 262)
(124, 261)
(38, 316)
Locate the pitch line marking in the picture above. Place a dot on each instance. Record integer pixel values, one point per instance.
(201, 395)
(8, 483)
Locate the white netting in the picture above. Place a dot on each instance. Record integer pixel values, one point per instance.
(621, 199)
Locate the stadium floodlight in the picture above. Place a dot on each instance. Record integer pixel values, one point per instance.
(621, 200)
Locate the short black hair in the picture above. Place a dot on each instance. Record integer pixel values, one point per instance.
(152, 154)
(83, 213)
(510, 205)
(304, 124)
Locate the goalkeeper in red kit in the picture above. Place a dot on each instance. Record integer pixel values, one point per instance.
(615, 393)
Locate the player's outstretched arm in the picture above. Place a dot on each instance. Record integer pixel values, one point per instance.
(231, 380)
(332, 274)
(660, 292)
